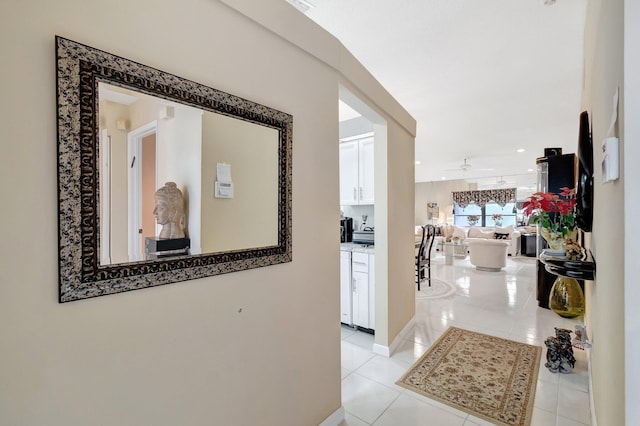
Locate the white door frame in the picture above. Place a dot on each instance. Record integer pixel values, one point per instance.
(134, 154)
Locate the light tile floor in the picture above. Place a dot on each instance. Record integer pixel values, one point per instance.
(499, 303)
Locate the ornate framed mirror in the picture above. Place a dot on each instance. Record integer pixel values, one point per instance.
(107, 106)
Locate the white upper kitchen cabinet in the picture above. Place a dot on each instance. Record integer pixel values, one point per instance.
(356, 172)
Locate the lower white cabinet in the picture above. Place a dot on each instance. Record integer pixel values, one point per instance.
(357, 289)
(345, 287)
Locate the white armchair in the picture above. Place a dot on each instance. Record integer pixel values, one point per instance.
(488, 254)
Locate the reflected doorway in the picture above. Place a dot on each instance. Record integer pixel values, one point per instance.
(142, 186)
(148, 188)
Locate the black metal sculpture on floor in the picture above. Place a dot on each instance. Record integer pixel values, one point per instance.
(560, 352)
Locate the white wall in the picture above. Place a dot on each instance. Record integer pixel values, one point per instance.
(356, 213)
(254, 347)
(604, 41)
(118, 203)
(179, 149)
(400, 267)
(438, 192)
(250, 218)
(631, 102)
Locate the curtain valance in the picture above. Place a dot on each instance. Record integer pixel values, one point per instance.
(482, 197)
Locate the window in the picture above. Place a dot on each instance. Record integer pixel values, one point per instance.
(484, 215)
(464, 216)
(507, 212)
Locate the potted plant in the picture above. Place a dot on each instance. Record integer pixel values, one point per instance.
(473, 219)
(555, 214)
(497, 219)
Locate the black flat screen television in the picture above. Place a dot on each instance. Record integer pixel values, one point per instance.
(584, 187)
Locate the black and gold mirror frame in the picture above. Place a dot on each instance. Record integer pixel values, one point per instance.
(80, 69)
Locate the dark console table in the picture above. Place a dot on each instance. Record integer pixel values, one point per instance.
(582, 267)
(550, 265)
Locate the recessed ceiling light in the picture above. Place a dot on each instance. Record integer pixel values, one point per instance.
(418, 162)
(529, 170)
(443, 178)
(520, 150)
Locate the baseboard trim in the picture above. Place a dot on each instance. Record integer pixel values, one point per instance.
(381, 350)
(335, 418)
(387, 351)
(592, 402)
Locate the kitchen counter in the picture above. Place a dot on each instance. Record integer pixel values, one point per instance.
(360, 248)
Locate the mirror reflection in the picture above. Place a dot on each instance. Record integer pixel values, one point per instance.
(126, 130)
(146, 142)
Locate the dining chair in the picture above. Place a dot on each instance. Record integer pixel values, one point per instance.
(423, 257)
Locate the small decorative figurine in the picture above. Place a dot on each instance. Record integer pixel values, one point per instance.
(572, 248)
(560, 352)
(169, 211)
(581, 340)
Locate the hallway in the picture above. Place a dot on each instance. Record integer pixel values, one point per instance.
(501, 304)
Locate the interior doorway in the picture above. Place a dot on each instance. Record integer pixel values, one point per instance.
(370, 212)
(148, 188)
(142, 184)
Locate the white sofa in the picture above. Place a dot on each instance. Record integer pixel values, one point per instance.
(508, 234)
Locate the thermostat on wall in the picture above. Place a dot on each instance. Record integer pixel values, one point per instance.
(224, 184)
(223, 190)
(610, 160)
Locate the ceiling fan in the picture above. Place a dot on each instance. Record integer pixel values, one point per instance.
(466, 166)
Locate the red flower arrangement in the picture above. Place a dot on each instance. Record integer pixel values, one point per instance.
(555, 212)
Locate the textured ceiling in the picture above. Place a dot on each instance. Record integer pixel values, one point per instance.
(482, 78)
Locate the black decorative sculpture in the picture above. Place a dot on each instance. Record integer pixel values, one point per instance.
(560, 352)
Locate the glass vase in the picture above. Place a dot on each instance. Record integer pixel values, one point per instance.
(566, 298)
(555, 240)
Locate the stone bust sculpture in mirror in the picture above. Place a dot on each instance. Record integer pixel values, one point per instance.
(107, 107)
(169, 211)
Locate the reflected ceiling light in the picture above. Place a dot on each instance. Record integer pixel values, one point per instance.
(304, 5)
(520, 150)
(443, 178)
(530, 170)
(418, 162)
(121, 124)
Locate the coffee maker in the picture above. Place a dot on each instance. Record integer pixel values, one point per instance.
(346, 230)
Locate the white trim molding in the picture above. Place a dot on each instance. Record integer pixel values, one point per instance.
(335, 418)
(389, 350)
(592, 402)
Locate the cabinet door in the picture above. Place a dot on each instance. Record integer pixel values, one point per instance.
(365, 171)
(360, 299)
(372, 292)
(346, 290)
(349, 173)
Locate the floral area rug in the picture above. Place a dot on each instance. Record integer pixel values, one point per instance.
(439, 289)
(486, 376)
